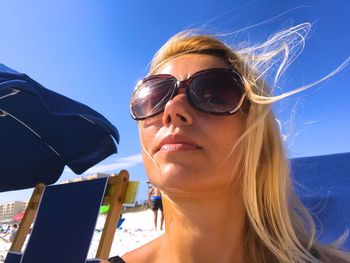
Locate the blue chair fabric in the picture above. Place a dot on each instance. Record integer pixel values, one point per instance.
(13, 257)
(65, 223)
(323, 185)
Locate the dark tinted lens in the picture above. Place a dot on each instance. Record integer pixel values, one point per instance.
(151, 96)
(216, 92)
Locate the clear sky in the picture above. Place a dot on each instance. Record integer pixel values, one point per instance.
(96, 51)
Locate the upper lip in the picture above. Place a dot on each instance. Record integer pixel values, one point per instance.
(174, 139)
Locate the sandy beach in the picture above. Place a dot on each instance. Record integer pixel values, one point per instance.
(136, 230)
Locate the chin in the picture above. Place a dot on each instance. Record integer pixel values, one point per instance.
(180, 177)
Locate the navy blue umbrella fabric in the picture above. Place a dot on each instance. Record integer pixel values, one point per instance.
(323, 185)
(41, 131)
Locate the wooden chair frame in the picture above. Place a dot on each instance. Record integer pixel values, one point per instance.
(119, 190)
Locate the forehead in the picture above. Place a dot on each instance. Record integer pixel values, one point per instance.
(184, 66)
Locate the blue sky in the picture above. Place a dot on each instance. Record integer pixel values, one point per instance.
(95, 52)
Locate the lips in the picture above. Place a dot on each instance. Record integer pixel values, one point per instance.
(176, 142)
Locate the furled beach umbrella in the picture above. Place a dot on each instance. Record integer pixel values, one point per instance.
(41, 131)
(18, 217)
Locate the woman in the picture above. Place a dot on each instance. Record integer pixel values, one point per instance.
(211, 144)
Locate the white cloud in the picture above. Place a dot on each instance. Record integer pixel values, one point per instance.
(137, 158)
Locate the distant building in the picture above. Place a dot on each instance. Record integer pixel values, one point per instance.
(9, 209)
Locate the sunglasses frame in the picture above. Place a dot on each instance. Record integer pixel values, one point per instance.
(184, 84)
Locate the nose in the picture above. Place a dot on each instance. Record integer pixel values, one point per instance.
(177, 111)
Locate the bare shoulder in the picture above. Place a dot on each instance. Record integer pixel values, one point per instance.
(145, 253)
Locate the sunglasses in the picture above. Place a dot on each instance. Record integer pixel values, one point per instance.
(216, 91)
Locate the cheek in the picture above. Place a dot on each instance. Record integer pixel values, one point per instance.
(226, 152)
(225, 135)
(149, 165)
(227, 141)
(147, 134)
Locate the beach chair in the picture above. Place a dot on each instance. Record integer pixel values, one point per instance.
(66, 217)
(323, 185)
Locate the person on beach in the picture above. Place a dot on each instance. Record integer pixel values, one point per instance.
(212, 146)
(155, 200)
(6, 230)
(11, 233)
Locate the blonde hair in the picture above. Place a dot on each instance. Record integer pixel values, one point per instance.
(279, 228)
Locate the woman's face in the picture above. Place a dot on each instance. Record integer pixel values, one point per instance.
(192, 149)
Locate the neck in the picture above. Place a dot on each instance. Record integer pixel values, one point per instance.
(207, 228)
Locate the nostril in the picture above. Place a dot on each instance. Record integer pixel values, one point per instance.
(168, 119)
(182, 118)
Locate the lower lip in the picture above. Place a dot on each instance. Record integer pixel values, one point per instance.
(178, 147)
